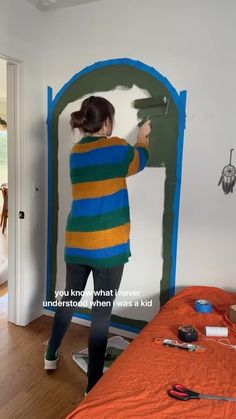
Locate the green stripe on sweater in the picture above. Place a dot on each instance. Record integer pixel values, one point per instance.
(99, 222)
(99, 263)
(102, 172)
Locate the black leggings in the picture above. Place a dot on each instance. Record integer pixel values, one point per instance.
(107, 279)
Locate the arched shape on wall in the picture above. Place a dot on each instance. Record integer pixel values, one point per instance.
(165, 151)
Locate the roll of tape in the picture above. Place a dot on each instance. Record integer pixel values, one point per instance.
(187, 333)
(203, 306)
(216, 331)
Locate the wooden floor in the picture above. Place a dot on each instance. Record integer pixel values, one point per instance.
(26, 389)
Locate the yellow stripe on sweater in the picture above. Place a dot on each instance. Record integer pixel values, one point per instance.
(94, 145)
(97, 189)
(98, 239)
(134, 165)
(138, 144)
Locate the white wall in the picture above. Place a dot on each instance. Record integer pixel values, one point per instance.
(20, 26)
(191, 42)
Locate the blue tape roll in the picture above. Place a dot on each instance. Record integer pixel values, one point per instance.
(203, 306)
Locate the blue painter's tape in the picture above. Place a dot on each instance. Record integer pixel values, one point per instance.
(203, 306)
(120, 61)
(180, 141)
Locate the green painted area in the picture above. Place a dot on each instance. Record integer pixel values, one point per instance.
(163, 148)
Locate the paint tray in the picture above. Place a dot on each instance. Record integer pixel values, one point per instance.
(115, 346)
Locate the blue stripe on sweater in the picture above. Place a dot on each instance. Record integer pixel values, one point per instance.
(98, 253)
(142, 157)
(101, 205)
(106, 155)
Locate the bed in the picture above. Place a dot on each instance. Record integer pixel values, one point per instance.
(136, 384)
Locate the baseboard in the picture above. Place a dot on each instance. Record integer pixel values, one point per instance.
(83, 322)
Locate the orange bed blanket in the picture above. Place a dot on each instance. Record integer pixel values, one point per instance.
(137, 383)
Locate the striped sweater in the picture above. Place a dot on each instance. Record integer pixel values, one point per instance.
(98, 225)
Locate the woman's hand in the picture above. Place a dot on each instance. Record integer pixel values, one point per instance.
(144, 132)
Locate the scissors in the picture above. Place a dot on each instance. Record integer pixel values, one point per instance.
(183, 393)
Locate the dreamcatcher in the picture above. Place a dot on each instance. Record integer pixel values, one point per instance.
(228, 176)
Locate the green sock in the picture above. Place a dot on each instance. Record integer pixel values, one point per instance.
(51, 354)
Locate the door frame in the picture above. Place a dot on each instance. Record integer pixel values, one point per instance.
(15, 130)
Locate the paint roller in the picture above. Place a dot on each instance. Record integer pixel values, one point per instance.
(158, 106)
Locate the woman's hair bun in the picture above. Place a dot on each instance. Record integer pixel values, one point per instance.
(92, 115)
(77, 119)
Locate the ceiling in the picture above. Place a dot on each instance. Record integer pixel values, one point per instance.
(46, 5)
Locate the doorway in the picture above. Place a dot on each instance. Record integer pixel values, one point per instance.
(3, 191)
(11, 170)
